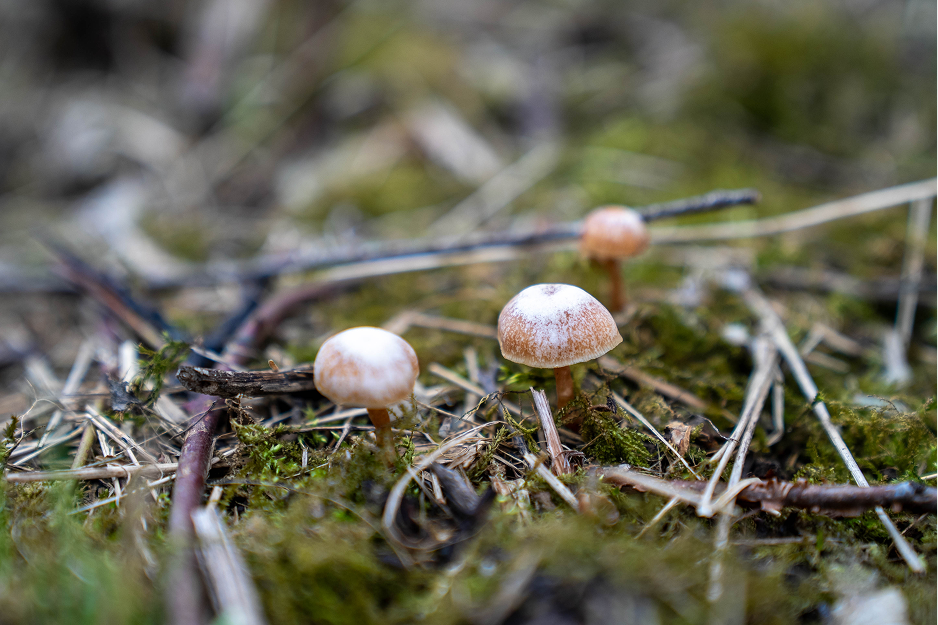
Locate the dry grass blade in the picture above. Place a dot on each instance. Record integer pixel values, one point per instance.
(912, 265)
(661, 386)
(71, 386)
(560, 465)
(625, 477)
(839, 209)
(128, 444)
(94, 473)
(396, 495)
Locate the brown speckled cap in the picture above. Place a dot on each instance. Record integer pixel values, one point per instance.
(555, 325)
(367, 367)
(614, 232)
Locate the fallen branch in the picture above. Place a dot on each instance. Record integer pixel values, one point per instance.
(229, 384)
(773, 495)
(296, 261)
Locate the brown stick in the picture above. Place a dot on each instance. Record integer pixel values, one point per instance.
(564, 386)
(831, 499)
(229, 384)
(185, 586)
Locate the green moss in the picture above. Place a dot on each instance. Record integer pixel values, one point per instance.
(608, 443)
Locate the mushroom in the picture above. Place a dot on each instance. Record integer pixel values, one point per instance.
(367, 367)
(554, 326)
(611, 233)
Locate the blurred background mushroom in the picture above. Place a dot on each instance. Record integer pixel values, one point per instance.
(611, 234)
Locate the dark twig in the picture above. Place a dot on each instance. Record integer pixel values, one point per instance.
(249, 383)
(273, 265)
(711, 201)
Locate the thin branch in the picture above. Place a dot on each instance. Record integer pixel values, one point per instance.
(229, 384)
(711, 201)
(363, 252)
(833, 499)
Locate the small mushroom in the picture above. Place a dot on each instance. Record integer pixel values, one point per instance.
(611, 233)
(367, 367)
(554, 326)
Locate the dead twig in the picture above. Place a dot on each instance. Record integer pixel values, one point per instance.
(773, 495)
(230, 384)
(415, 250)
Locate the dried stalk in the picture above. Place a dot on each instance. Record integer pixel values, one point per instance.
(636, 414)
(838, 209)
(912, 265)
(94, 473)
(766, 357)
(559, 464)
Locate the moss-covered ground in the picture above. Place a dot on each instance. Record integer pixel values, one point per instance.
(806, 103)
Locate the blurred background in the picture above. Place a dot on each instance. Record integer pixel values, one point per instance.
(160, 134)
(154, 137)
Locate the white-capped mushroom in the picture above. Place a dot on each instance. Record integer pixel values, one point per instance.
(611, 233)
(553, 326)
(367, 367)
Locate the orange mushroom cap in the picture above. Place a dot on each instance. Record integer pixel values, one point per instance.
(614, 232)
(555, 325)
(367, 367)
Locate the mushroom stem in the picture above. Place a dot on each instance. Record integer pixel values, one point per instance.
(382, 422)
(617, 297)
(564, 385)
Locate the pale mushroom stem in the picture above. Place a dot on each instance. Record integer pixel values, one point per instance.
(382, 422)
(617, 297)
(564, 386)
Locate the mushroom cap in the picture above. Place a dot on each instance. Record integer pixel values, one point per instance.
(367, 367)
(555, 325)
(614, 232)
